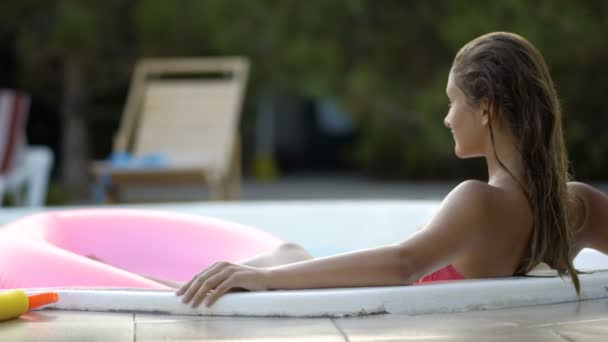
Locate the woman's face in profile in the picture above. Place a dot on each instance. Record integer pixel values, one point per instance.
(465, 122)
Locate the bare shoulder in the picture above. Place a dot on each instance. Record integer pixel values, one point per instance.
(587, 204)
(486, 203)
(475, 185)
(583, 190)
(588, 209)
(476, 193)
(585, 199)
(468, 201)
(453, 230)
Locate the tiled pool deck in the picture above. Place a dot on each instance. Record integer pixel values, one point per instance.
(585, 321)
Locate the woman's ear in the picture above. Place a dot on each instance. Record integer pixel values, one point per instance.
(484, 106)
(485, 117)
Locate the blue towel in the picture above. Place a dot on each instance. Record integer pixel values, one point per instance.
(124, 159)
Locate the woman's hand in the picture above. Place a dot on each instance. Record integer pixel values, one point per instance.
(216, 280)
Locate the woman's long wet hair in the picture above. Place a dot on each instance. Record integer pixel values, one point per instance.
(511, 74)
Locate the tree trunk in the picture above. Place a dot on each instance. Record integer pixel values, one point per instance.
(74, 141)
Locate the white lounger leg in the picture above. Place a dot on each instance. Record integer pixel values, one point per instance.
(39, 161)
(2, 188)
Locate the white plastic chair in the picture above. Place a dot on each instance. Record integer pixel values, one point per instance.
(22, 167)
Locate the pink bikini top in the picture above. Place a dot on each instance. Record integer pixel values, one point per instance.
(446, 273)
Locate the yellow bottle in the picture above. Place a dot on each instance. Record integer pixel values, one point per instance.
(14, 303)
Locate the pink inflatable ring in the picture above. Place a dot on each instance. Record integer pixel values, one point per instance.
(57, 249)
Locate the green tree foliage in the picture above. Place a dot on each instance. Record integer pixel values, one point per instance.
(385, 60)
(69, 51)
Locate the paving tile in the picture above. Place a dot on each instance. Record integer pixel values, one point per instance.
(158, 318)
(580, 336)
(438, 327)
(584, 321)
(68, 326)
(547, 314)
(235, 329)
(590, 330)
(63, 316)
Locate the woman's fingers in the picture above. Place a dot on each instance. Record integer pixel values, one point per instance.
(214, 295)
(194, 287)
(185, 287)
(209, 285)
(214, 282)
(190, 288)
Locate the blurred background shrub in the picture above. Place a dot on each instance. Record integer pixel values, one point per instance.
(384, 62)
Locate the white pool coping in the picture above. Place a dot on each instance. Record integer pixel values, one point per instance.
(344, 225)
(449, 297)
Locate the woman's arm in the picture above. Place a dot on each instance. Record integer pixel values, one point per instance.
(453, 229)
(286, 253)
(592, 232)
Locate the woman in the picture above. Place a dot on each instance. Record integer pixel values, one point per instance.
(502, 106)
